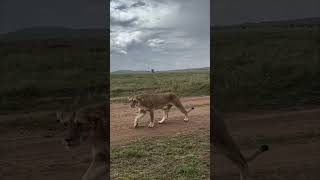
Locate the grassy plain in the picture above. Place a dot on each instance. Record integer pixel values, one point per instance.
(265, 69)
(174, 157)
(193, 83)
(45, 74)
(251, 70)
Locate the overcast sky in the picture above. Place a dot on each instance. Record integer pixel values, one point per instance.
(19, 14)
(159, 34)
(240, 11)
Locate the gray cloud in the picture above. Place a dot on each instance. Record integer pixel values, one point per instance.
(165, 34)
(121, 7)
(16, 14)
(123, 22)
(138, 4)
(234, 11)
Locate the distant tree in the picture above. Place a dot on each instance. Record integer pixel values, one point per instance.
(152, 70)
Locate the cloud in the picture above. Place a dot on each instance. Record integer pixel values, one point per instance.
(235, 12)
(138, 22)
(138, 4)
(152, 14)
(121, 7)
(156, 42)
(162, 34)
(16, 14)
(125, 22)
(120, 41)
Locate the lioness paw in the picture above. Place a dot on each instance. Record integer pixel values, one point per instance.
(135, 125)
(161, 121)
(151, 125)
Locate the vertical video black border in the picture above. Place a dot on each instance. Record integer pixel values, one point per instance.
(211, 94)
(108, 118)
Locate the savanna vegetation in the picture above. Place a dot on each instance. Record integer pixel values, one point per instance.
(191, 83)
(265, 69)
(43, 74)
(177, 157)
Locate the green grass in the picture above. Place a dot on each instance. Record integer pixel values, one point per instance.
(265, 69)
(182, 83)
(252, 70)
(177, 157)
(44, 74)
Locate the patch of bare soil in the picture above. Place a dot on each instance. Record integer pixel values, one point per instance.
(122, 117)
(293, 137)
(33, 153)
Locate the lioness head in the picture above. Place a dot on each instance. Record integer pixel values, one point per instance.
(77, 129)
(133, 101)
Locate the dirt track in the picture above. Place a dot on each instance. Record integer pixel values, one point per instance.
(122, 121)
(293, 136)
(37, 154)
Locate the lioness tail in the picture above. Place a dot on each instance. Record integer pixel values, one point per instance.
(192, 108)
(262, 149)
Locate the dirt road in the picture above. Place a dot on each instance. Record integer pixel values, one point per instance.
(122, 121)
(293, 136)
(34, 153)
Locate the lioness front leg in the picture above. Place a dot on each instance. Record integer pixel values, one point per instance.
(151, 124)
(138, 117)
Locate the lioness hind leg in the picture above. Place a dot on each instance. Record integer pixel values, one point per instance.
(151, 124)
(163, 117)
(242, 164)
(165, 112)
(138, 117)
(178, 104)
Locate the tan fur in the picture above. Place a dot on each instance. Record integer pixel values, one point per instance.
(224, 143)
(150, 102)
(88, 123)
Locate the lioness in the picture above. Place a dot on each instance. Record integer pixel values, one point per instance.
(151, 102)
(224, 143)
(88, 123)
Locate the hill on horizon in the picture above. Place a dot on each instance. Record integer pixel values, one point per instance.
(289, 23)
(144, 72)
(66, 32)
(52, 32)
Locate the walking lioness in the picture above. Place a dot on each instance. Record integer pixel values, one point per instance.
(151, 102)
(224, 143)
